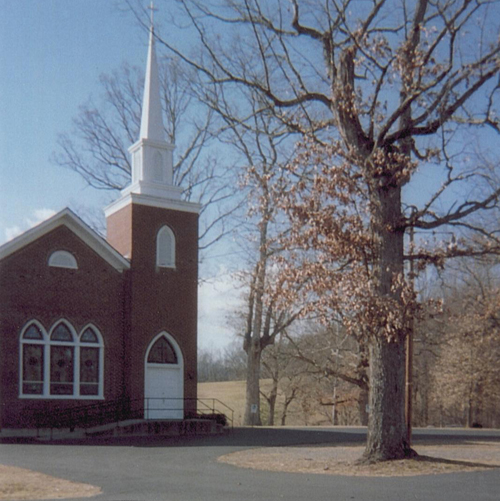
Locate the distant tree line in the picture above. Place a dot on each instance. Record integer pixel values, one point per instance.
(319, 374)
(228, 364)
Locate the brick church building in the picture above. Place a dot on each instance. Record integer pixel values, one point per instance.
(86, 320)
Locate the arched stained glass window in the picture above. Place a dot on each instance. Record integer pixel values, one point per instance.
(89, 363)
(62, 361)
(89, 336)
(165, 248)
(61, 333)
(33, 332)
(32, 363)
(61, 364)
(162, 352)
(63, 259)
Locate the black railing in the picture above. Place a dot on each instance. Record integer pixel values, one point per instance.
(84, 416)
(217, 408)
(102, 413)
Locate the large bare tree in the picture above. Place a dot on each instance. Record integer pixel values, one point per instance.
(400, 87)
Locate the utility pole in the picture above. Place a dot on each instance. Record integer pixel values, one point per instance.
(409, 351)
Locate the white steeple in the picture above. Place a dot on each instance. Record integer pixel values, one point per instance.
(151, 121)
(152, 154)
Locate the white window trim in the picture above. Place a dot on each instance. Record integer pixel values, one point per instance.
(76, 344)
(171, 264)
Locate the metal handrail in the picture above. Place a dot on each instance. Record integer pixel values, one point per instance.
(216, 410)
(115, 411)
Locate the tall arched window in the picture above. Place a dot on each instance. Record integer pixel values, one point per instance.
(90, 362)
(33, 342)
(62, 360)
(61, 363)
(165, 248)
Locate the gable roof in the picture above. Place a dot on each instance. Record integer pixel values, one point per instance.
(68, 218)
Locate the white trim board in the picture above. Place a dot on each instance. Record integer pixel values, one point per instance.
(162, 203)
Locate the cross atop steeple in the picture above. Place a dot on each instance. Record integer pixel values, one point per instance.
(152, 8)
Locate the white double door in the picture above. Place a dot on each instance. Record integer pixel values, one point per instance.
(164, 391)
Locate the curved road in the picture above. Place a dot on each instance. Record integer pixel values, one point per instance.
(186, 469)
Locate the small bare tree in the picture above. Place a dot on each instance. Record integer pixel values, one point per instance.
(335, 355)
(259, 143)
(286, 374)
(97, 146)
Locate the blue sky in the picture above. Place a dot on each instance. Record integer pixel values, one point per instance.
(52, 53)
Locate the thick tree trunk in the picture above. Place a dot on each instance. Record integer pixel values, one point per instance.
(252, 404)
(386, 423)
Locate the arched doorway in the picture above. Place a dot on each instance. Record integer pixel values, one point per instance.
(164, 379)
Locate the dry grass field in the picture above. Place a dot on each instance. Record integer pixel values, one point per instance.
(232, 393)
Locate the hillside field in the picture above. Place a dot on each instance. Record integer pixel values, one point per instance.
(232, 393)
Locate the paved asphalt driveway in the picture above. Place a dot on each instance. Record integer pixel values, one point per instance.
(186, 469)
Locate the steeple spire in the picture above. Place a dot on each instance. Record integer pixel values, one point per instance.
(152, 155)
(151, 120)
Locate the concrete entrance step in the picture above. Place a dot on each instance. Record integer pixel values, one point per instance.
(169, 428)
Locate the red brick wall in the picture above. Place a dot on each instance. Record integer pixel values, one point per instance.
(163, 299)
(30, 289)
(118, 233)
(129, 308)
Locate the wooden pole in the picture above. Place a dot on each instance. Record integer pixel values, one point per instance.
(409, 355)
